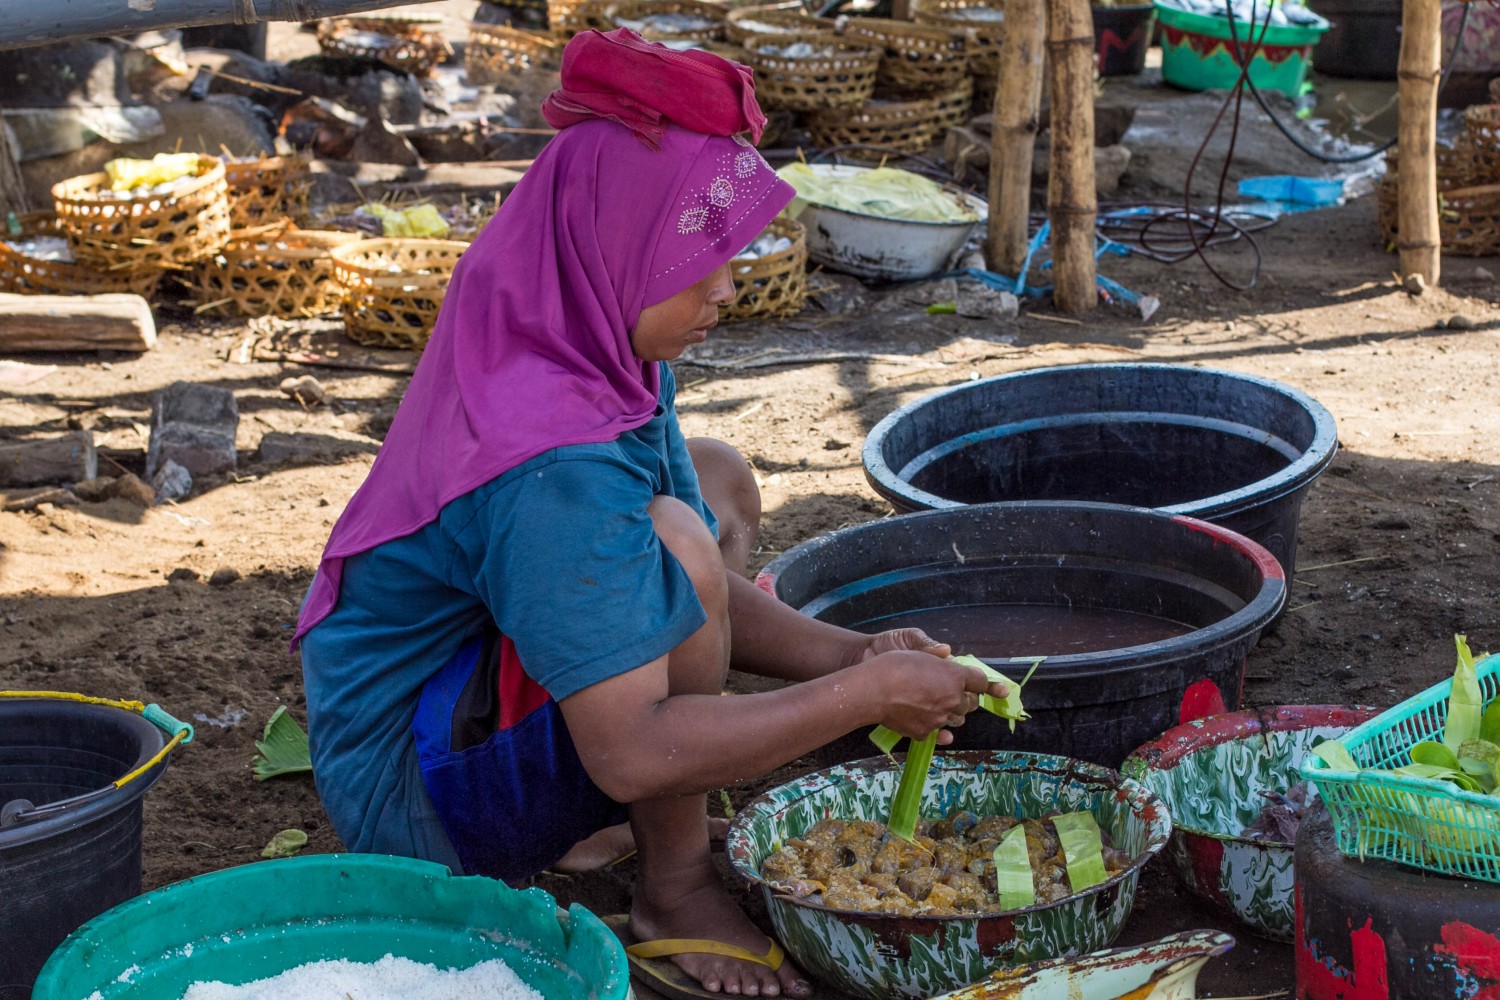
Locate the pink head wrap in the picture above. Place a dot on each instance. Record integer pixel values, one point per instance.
(532, 347)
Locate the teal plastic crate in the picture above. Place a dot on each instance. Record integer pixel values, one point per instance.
(1419, 822)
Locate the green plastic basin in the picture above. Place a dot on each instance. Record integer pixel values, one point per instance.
(256, 921)
(1197, 52)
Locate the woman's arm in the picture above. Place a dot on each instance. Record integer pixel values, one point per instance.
(638, 742)
(770, 639)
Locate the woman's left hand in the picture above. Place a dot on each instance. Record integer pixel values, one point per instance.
(903, 638)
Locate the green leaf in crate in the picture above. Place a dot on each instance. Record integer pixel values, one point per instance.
(1434, 754)
(1013, 870)
(1083, 848)
(906, 806)
(1436, 773)
(1466, 703)
(1481, 759)
(1489, 723)
(1336, 756)
(283, 747)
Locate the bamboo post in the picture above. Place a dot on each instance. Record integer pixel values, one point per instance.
(1421, 62)
(1072, 202)
(1018, 109)
(12, 187)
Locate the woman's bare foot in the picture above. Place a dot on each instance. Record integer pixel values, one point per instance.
(692, 903)
(614, 844)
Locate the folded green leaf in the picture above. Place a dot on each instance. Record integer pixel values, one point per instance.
(1083, 848)
(283, 747)
(1009, 707)
(1013, 881)
(1466, 703)
(284, 844)
(885, 738)
(906, 806)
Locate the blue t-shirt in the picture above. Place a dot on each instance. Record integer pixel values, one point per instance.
(559, 553)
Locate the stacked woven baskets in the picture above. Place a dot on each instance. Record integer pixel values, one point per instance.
(277, 270)
(266, 190)
(1468, 172)
(392, 288)
(982, 23)
(671, 20)
(34, 261)
(921, 81)
(494, 50)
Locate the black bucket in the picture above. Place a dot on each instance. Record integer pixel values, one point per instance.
(70, 842)
(1144, 617)
(1365, 39)
(1233, 449)
(1121, 37)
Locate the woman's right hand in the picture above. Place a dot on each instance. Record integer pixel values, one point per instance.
(924, 692)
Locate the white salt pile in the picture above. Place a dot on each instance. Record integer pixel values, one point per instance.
(391, 978)
(763, 246)
(49, 248)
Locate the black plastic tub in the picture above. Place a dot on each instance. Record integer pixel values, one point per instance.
(1144, 617)
(70, 843)
(1121, 37)
(1233, 449)
(1365, 39)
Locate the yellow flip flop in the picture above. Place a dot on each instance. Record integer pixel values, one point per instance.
(650, 960)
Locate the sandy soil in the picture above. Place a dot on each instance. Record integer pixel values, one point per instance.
(1398, 546)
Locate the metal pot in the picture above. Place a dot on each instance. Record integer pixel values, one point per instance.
(872, 246)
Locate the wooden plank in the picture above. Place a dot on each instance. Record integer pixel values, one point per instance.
(49, 461)
(23, 24)
(1017, 114)
(1419, 239)
(1072, 201)
(111, 322)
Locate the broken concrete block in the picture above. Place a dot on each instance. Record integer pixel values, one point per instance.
(976, 301)
(194, 426)
(280, 448)
(172, 481)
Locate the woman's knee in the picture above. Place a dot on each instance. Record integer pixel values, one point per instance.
(685, 535)
(728, 486)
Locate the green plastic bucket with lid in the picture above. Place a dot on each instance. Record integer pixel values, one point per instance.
(1198, 51)
(256, 921)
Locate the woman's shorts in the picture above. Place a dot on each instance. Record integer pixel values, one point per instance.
(500, 765)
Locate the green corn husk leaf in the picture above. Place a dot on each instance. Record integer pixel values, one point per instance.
(906, 805)
(1083, 848)
(1013, 881)
(1466, 703)
(885, 738)
(283, 747)
(1336, 756)
(284, 844)
(1434, 755)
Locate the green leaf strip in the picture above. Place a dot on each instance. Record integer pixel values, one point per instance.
(1083, 849)
(906, 806)
(1013, 881)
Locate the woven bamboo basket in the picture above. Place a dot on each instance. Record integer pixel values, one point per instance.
(404, 45)
(982, 35)
(494, 50)
(566, 18)
(274, 271)
(921, 58)
(905, 126)
(392, 289)
(25, 275)
(984, 92)
(1455, 163)
(647, 10)
(187, 223)
(748, 23)
(773, 285)
(267, 190)
(840, 75)
(1468, 218)
(1482, 130)
(954, 108)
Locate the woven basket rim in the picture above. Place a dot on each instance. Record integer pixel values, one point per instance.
(885, 27)
(449, 252)
(320, 242)
(710, 10)
(62, 190)
(506, 31)
(797, 233)
(847, 51)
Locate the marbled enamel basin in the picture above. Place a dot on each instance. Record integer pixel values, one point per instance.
(882, 956)
(1210, 774)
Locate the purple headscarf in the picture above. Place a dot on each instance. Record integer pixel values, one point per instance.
(531, 350)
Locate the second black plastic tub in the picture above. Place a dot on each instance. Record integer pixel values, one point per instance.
(1144, 618)
(1237, 450)
(70, 842)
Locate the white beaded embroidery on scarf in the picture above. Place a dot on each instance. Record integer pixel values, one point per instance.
(708, 208)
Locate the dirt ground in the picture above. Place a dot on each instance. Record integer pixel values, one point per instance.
(1398, 546)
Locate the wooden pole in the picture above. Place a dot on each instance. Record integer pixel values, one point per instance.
(1072, 203)
(75, 323)
(1421, 61)
(23, 23)
(12, 187)
(1018, 108)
